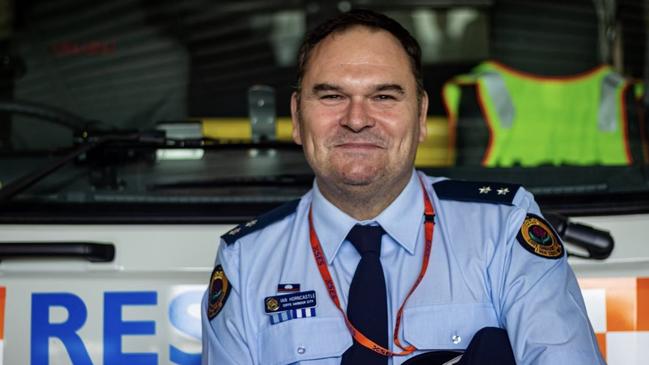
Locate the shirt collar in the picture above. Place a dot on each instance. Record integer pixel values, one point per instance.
(401, 219)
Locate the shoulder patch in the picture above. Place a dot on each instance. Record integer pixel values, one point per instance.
(538, 237)
(260, 222)
(475, 191)
(219, 290)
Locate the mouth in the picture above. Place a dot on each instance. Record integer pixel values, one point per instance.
(358, 146)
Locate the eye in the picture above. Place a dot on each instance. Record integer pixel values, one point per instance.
(331, 97)
(384, 97)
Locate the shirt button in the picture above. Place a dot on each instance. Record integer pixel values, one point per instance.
(301, 350)
(456, 339)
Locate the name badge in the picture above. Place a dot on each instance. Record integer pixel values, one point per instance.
(280, 303)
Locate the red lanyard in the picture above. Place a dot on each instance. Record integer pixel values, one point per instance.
(429, 215)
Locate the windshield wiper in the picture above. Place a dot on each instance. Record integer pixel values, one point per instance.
(156, 139)
(15, 187)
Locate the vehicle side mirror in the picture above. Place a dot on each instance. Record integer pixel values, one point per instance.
(598, 243)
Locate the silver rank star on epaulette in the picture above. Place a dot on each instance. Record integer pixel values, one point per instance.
(499, 191)
(237, 229)
(476, 191)
(484, 189)
(260, 222)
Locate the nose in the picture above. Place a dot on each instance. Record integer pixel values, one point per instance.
(357, 117)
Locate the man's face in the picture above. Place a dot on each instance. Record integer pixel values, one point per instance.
(358, 117)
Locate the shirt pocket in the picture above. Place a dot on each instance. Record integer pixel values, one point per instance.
(446, 326)
(304, 340)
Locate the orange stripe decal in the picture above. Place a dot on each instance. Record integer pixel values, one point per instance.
(624, 337)
(620, 301)
(621, 304)
(601, 342)
(643, 304)
(3, 294)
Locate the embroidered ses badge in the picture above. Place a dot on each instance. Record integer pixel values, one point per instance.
(537, 236)
(219, 292)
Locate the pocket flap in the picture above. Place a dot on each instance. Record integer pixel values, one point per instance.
(446, 326)
(303, 339)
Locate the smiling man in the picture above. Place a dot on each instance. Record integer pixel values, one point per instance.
(360, 115)
(379, 263)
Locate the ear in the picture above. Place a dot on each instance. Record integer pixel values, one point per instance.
(423, 115)
(295, 120)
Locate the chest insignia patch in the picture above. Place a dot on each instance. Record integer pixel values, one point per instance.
(537, 236)
(219, 292)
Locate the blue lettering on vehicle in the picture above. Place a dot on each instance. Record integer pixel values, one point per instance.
(42, 329)
(180, 318)
(115, 327)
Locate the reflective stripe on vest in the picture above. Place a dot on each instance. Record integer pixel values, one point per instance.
(608, 105)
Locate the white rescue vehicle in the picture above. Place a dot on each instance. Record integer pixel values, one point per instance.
(134, 133)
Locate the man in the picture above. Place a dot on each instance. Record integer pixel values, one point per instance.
(379, 263)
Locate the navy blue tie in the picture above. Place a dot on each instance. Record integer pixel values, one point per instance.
(367, 307)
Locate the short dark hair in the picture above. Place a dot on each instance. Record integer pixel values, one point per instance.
(365, 18)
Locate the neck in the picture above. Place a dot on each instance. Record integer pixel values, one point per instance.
(362, 202)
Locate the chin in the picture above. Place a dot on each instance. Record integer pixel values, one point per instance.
(360, 177)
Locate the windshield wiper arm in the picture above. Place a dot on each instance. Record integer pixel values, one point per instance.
(158, 139)
(15, 187)
(10, 190)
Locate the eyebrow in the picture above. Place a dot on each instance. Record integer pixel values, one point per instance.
(391, 87)
(381, 87)
(325, 87)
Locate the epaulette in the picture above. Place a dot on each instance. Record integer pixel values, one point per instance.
(475, 191)
(260, 222)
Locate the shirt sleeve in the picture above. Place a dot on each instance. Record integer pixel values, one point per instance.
(539, 301)
(224, 336)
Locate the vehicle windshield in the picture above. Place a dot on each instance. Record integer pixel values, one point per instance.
(152, 111)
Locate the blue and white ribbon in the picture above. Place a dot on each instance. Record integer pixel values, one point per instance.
(292, 314)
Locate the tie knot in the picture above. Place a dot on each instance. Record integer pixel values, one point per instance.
(366, 239)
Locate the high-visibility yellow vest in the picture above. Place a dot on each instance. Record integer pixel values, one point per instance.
(577, 120)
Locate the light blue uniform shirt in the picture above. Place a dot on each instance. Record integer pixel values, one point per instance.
(479, 275)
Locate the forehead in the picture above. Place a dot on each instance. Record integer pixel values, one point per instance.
(358, 50)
